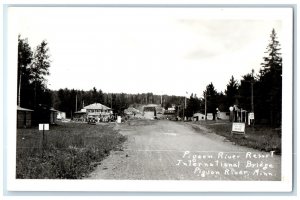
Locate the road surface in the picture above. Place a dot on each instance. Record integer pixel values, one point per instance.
(168, 150)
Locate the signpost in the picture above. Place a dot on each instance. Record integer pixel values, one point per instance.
(43, 127)
(231, 116)
(250, 117)
(238, 128)
(119, 119)
(210, 116)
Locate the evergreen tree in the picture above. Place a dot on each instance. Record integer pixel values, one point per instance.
(95, 95)
(273, 61)
(193, 105)
(24, 75)
(270, 83)
(231, 92)
(244, 91)
(222, 102)
(211, 99)
(39, 69)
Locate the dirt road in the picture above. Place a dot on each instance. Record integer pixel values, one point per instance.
(167, 150)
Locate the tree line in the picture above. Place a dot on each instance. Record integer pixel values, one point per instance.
(265, 88)
(73, 100)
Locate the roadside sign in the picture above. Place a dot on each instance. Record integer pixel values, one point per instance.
(238, 128)
(119, 119)
(210, 116)
(43, 127)
(251, 115)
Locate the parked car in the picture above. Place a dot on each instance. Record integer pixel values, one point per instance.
(92, 120)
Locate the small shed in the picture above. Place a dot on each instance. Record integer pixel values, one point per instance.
(80, 115)
(24, 117)
(53, 116)
(198, 117)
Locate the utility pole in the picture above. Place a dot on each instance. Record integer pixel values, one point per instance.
(76, 104)
(111, 100)
(183, 112)
(252, 103)
(19, 90)
(35, 94)
(184, 105)
(205, 111)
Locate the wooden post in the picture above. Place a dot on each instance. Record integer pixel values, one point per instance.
(76, 104)
(43, 138)
(205, 112)
(19, 89)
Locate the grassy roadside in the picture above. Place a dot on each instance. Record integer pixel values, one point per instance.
(69, 151)
(261, 137)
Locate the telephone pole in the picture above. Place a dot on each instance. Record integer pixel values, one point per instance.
(111, 100)
(252, 102)
(205, 100)
(76, 104)
(183, 112)
(19, 89)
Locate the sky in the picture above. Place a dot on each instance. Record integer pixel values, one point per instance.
(159, 50)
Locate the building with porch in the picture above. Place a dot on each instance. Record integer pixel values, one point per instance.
(97, 111)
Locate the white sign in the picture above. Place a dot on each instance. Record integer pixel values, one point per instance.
(251, 115)
(210, 116)
(119, 119)
(44, 127)
(238, 128)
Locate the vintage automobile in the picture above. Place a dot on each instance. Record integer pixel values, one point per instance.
(92, 120)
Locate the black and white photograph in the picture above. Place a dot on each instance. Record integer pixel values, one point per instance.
(149, 95)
